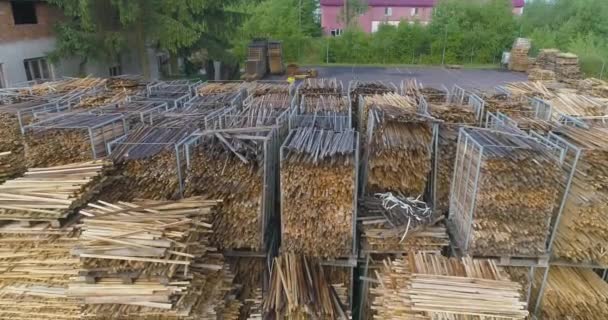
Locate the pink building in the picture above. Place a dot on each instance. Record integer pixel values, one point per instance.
(384, 11)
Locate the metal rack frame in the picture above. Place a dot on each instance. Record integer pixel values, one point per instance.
(351, 261)
(144, 112)
(325, 120)
(114, 123)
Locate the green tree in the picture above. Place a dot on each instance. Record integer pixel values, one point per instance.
(102, 29)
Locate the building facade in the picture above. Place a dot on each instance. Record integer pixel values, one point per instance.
(384, 12)
(26, 38)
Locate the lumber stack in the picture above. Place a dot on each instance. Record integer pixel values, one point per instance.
(11, 165)
(581, 234)
(70, 138)
(318, 189)
(453, 117)
(525, 89)
(266, 110)
(151, 259)
(399, 148)
(211, 88)
(546, 59)
(507, 107)
(519, 55)
(36, 269)
(512, 198)
(299, 289)
(574, 293)
(567, 67)
(391, 223)
(315, 86)
(261, 88)
(538, 74)
(594, 87)
(578, 105)
(368, 88)
(237, 177)
(147, 162)
(430, 286)
(51, 194)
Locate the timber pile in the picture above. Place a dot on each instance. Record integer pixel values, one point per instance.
(324, 103)
(136, 112)
(399, 148)
(430, 286)
(368, 88)
(453, 117)
(266, 110)
(261, 88)
(147, 163)
(414, 89)
(567, 67)
(546, 59)
(66, 139)
(314, 86)
(232, 169)
(525, 89)
(594, 87)
(318, 188)
(578, 105)
(255, 311)
(574, 293)
(150, 259)
(249, 274)
(581, 235)
(506, 107)
(11, 165)
(522, 276)
(398, 224)
(36, 268)
(299, 289)
(537, 74)
(328, 112)
(519, 55)
(220, 87)
(51, 194)
(517, 188)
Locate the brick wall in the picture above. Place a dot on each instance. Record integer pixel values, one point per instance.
(9, 32)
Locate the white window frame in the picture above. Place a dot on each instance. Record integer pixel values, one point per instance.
(115, 68)
(388, 11)
(2, 76)
(336, 32)
(34, 63)
(415, 11)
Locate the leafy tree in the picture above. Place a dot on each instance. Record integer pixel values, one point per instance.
(101, 29)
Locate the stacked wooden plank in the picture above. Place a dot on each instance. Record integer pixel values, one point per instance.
(508, 107)
(574, 293)
(299, 289)
(582, 235)
(314, 86)
(261, 88)
(594, 87)
(151, 259)
(502, 204)
(211, 88)
(51, 194)
(11, 165)
(578, 105)
(546, 59)
(318, 189)
(398, 152)
(266, 110)
(148, 162)
(567, 67)
(537, 74)
(71, 137)
(429, 286)
(36, 268)
(453, 117)
(396, 224)
(275, 57)
(328, 112)
(232, 168)
(359, 89)
(527, 89)
(519, 55)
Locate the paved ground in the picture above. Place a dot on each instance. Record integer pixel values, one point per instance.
(428, 76)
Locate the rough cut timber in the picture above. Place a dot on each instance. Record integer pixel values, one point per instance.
(430, 286)
(51, 194)
(398, 151)
(453, 117)
(147, 160)
(213, 87)
(260, 88)
(318, 192)
(504, 195)
(300, 289)
(314, 86)
(265, 110)
(11, 165)
(574, 293)
(577, 105)
(239, 166)
(328, 112)
(36, 269)
(519, 55)
(581, 235)
(151, 260)
(71, 137)
(395, 224)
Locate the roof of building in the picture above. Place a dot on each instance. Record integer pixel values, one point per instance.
(403, 3)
